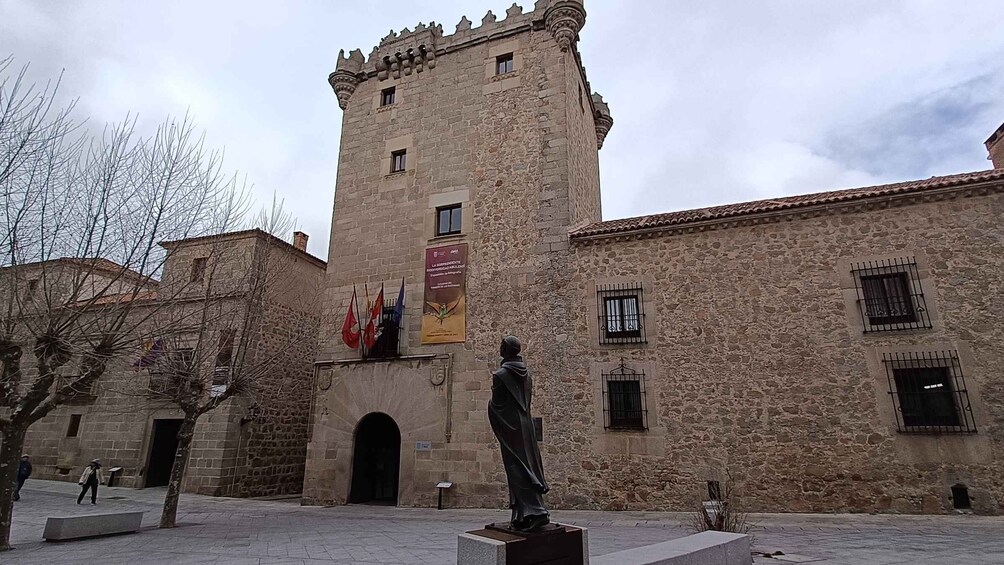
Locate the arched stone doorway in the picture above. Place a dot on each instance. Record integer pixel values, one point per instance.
(376, 460)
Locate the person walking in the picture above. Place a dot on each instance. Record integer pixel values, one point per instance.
(23, 472)
(90, 479)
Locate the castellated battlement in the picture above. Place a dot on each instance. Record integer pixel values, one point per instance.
(414, 51)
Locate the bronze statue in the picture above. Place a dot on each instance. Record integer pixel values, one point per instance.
(509, 415)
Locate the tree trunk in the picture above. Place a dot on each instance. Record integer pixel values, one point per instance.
(10, 458)
(185, 436)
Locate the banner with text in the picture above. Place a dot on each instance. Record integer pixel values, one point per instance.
(445, 308)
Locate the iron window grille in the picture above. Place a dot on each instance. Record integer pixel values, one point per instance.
(387, 96)
(928, 392)
(621, 314)
(624, 399)
(388, 343)
(890, 296)
(448, 220)
(503, 64)
(398, 161)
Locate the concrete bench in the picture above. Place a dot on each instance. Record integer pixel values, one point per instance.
(90, 525)
(705, 548)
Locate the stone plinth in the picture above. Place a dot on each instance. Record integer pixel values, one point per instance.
(73, 527)
(555, 544)
(705, 548)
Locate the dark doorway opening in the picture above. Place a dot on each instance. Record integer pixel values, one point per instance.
(960, 497)
(376, 458)
(162, 451)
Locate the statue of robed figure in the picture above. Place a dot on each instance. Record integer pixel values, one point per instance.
(509, 415)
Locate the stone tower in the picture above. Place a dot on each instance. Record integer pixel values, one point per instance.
(487, 140)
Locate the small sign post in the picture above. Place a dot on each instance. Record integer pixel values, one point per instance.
(442, 486)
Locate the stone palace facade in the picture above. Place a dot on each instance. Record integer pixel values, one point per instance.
(839, 351)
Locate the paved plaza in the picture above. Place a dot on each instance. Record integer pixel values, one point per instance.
(239, 531)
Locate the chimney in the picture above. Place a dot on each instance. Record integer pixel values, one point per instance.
(995, 146)
(300, 240)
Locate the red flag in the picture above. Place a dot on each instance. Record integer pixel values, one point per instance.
(370, 334)
(350, 332)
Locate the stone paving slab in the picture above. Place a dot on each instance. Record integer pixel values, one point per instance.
(223, 531)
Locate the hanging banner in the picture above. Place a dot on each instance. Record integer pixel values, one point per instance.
(445, 308)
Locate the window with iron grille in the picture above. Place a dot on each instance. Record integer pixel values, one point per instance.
(398, 161)
(890, 296)
(928, 392)
(624, 399)
(503, 64)
(448, 219)
(621, 313)
(387, 96)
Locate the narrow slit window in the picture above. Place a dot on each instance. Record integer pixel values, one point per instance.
(199, 269)
(74, 428)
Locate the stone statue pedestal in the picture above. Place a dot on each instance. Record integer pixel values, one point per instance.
(497, 544)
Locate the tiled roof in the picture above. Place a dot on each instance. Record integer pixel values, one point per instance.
(785, 203)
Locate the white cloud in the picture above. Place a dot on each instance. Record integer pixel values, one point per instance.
(713, 102)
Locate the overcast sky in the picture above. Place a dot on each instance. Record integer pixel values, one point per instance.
(713, 101)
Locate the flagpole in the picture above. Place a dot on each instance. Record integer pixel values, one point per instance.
(362, 336)
(355, 301)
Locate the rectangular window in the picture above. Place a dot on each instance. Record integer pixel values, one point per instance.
(621, 316)
(74, 428)
(503, 64)
(29, 294)
(624, 399)
(387, 96)
(398, 161)
(928, 391)
(890, 296)
(448, 219)
(199, 269)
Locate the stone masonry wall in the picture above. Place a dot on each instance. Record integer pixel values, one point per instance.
(756, 362)
(117, 425)
(499, 146)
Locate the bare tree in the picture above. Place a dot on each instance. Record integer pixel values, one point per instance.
(244, 340)
(79, 253)
(725, 512)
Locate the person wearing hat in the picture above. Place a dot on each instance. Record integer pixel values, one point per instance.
(90, 479)
(23, 472)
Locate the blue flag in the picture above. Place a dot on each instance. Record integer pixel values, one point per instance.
(399, 306)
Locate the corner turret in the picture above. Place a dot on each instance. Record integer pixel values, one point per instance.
(564, 19)
(348, 74)
(604, 121)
